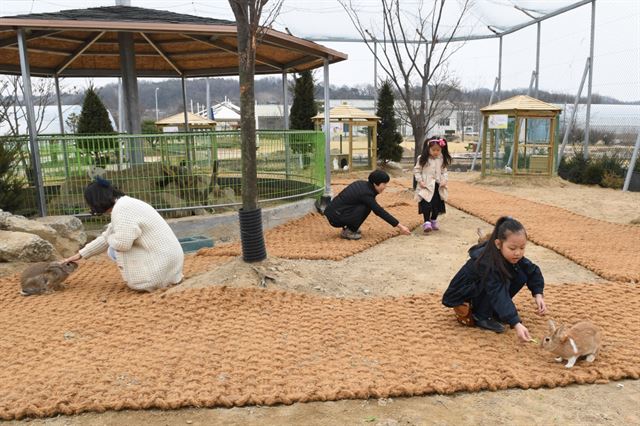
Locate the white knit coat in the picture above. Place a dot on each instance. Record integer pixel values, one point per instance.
(147, 251)
(432, 172)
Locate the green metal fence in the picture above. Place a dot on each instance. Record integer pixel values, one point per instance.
(179, 172)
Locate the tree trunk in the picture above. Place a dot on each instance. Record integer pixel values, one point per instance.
(246, 56)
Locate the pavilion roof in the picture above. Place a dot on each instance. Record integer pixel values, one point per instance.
(521, 103)
(346, 112)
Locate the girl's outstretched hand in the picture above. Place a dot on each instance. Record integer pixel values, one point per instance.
(73, 258)
(522, 333)
(542, 307)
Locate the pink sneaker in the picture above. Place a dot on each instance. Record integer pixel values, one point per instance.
(426, 227)
(434, 225)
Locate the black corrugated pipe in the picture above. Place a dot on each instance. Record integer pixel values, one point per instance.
(251, 236)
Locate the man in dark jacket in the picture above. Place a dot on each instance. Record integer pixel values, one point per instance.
(349, 209)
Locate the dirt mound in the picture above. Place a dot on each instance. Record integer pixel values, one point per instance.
(609, 249)
(233, 347)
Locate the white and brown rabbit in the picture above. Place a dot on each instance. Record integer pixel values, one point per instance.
(45, 277)
(583, 339)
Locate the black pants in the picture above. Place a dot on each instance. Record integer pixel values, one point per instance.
(351, 219)
(431, 209)
(481, 304)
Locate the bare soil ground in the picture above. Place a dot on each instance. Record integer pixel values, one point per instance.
(398, 267)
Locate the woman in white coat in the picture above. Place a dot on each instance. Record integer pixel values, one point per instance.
(138, 239)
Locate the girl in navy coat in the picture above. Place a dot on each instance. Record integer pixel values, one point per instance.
(482, 291)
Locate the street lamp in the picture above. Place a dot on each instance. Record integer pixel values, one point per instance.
(157, 103)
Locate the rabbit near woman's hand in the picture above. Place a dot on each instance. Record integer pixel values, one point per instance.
(45, 277)
(583, 339)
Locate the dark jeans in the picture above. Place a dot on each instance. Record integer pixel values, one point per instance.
(481, 304)
(351, 219)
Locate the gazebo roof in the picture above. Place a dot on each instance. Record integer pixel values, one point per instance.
(520, 103)
(178, 120)
(84, 43)
(346, 112)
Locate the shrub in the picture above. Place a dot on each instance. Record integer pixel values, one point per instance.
(593, 174)
(573, 169)
(12, 192)
(611, 180)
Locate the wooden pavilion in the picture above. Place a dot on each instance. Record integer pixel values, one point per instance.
(176, 121)
(131, 42)
(519, 136)
(353, 116)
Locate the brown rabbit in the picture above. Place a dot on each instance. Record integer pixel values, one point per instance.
(45, 277)
(583, 339)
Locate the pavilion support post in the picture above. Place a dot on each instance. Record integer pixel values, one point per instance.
(208, 103)
(130, 89)
(63, 142)
(374, 145)
(186, 121)
(285, 101)
(36, 170)
(327, 134)
(350, 145)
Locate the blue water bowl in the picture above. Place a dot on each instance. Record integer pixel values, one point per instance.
(196, 242)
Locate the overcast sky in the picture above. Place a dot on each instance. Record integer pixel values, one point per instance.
(564, 39)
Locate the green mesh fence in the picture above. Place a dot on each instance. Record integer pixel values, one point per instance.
(180, 172)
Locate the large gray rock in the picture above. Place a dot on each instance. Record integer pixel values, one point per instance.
(23, 247)
(22, 224)
(67, 227)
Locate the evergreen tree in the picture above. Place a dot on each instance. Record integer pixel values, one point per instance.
(12, 193)
(389, 138)
(303, 108)
(94, 119)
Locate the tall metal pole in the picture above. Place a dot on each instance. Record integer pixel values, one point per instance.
(480, 129)
(585, 151)
(285, 101)
(60, 117)
(568, 126)
(31, 121)
(375, 71)
(61, 123)
(184, 104)
(327, 133)
(632, 164)
(537, 61)
(121, 120)
(157, 115)
(500, 70)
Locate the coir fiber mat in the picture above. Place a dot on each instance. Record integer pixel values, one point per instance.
(88, 349)
(311, 237)
(609, 249)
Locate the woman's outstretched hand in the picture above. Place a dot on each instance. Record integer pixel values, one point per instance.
(73, 258)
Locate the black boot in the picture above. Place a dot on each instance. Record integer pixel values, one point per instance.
(489, 324)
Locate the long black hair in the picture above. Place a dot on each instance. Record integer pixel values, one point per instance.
(491, 260)
(444, 145)
(101, 196)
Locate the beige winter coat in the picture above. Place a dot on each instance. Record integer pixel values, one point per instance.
(147, 251)
(432, 172)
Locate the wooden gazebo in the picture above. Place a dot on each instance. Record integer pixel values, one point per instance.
(196, 122)
(519, 137)
(353, 116)
(131, 42)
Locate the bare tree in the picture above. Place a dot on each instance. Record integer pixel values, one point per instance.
(13, 110)
(248, 14)
(421, 79)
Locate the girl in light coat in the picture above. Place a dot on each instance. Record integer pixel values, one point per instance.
(430, 173)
